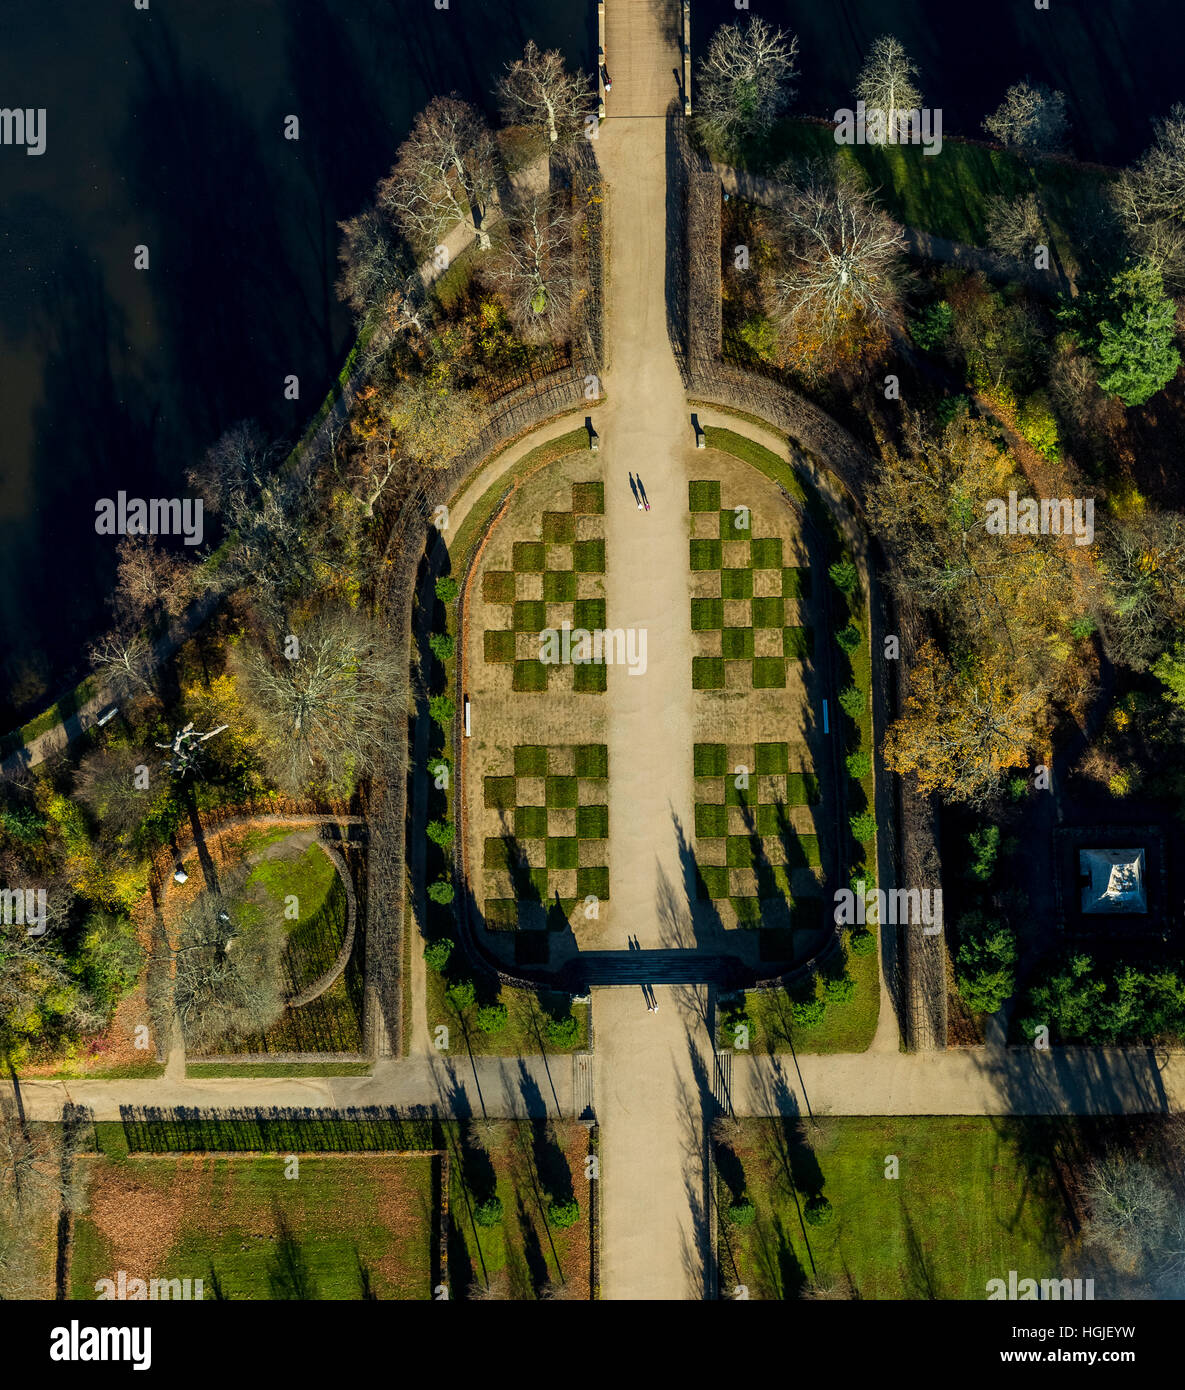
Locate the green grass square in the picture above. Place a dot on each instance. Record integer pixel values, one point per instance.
(496, 854)
(501, 914)
(736, 643)
(729, 530)
(766, 554)
(530, 615)
(530, 760)
(771, 759)
(497, 586)
(559, 528)
(736, 583)
(705, 555)
(703, 495)
(711, 822)
(530, 675)
(748, 911)
(563, 851)
(590, 679)
(768, 612)
(796, 582)
(559, 586)
(738, 796)
(588, 613)
(797, 643)
(707, 614)
(588, 557)
(740, 852)
(500, 793)
(530, 822)
(499, 645)
(767, 820)
(707, 673)
(712, 881)
(562, 793)
(594, 881)
(592, 822)
(592, 760)
(802, 851)
(802, 789)
(531, 884)
(711, 759)
(769, 673)
(530, 557)
(588, 498)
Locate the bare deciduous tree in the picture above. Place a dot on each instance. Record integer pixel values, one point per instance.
(149, 581)
(532, 268)
(376, 281)
(1131, 1209)
(233, 472)
(264, 508)
(229, 978)
(334, 708)
(745, 79)
(106, 785)
(840, 258)
(1015, 227)
(446, 171)
(126, 661)
(539, 91)
(1151, 199)
(1032, 116)
(885, 86)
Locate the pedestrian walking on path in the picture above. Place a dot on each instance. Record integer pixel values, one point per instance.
(634, 490)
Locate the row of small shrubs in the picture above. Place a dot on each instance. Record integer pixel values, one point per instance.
(440, 955)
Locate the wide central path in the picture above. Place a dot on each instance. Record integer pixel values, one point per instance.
(651, 1069)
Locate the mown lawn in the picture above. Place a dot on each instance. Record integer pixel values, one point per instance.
(357, 1226)
(971, 1202)
(525, 1034)
(525, 1255)
(847, 1027)
(947, 194)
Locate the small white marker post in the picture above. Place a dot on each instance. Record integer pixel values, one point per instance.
(826, 725)
(467, 729)
(108, 716)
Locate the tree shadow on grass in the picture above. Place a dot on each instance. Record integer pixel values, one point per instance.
(288, 1275)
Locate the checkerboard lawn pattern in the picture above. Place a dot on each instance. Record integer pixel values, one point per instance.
(550, 582)
(747, 846)
(745, 619)
(554, 851)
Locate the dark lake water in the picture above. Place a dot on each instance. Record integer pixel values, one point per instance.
(165, 128)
